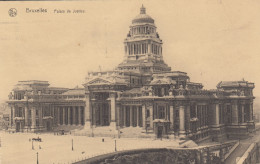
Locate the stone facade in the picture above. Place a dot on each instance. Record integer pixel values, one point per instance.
(142, 93)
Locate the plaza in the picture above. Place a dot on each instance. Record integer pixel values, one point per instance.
(57, 149)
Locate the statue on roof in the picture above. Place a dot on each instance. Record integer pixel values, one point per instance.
(171, 90)
(129, 35)
(11, 96)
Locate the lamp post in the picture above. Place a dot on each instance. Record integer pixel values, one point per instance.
(37, 158)
(115, 145)
(72, 145)
(32, 145)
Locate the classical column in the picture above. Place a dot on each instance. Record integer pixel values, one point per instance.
(33, 115)
(124, 116)
(149, 48)
(10, 112)
(118, 115)
(87, 111)
(187, 118)
(172, 117)
(13, 118)
(63, 117)
(58, 115)
(143, 117)
(69, 116)
(74, 115)
(79, 115)
(26, 115)
(151, 116)
(182, 119)
(137, 116)
(251, 112)
(40, 117)
(234, 112)
(131, 116)
(242, 113)
(94, 109)
(216, 113)
(113, 109)
(101, 114)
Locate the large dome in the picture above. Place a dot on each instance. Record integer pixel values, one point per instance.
(142, 17)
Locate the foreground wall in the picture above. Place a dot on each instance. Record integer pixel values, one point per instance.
(215, 154)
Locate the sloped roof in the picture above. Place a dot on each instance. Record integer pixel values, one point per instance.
(78, 91)
(159, 81)
(133, 91)
(234, 84)
(103, 80)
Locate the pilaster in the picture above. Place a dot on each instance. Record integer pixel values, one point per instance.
(234, 112)
(143, 116)
(182, 120)
(33, 116)
(131, 116)
(151, 116)
(26, 116)
(87, 111)
(137, 116)
(113, 109)
(79, 115)
(171, 117)
(63, 115)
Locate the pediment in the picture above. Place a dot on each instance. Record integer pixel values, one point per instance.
(159, 81)
(98, 81)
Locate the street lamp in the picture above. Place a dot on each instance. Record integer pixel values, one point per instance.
(32, 145)
(115, 145)
(37, 158)
(72, 145)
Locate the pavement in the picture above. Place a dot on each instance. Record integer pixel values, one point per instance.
(16, 148)
(242, 147)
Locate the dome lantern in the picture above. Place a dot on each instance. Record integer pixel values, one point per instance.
(142, 10)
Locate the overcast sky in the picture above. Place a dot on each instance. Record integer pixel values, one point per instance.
(211, 40)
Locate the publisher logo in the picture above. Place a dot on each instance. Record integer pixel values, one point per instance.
(12, 12)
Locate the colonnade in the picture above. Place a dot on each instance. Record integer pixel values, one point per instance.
(143, 48)
(69, 115)
(132, 116)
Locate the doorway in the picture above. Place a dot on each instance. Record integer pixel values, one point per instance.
(48, 125)
(160, 132)
(17, 127)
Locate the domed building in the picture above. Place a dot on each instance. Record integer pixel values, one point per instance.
(142, 97)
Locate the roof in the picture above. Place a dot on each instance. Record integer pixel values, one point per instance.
(160, 81)
(143, 17)
(105, 80)
(77, 91)
(35, 82)
(133, 91)
(235, 84)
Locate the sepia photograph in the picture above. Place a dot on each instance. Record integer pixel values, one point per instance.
(130, 82)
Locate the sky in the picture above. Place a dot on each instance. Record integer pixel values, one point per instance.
(211, 40)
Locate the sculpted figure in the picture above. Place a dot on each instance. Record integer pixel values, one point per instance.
(171, 90)
(10, 96)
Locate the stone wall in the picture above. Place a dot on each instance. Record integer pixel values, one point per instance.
(252, 155)
(153, 156)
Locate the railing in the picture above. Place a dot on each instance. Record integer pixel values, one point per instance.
(214, 154)
(251, 156)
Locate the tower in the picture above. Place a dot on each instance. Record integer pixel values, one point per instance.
(143, 46)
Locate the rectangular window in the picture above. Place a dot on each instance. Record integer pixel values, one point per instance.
(161, 112)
